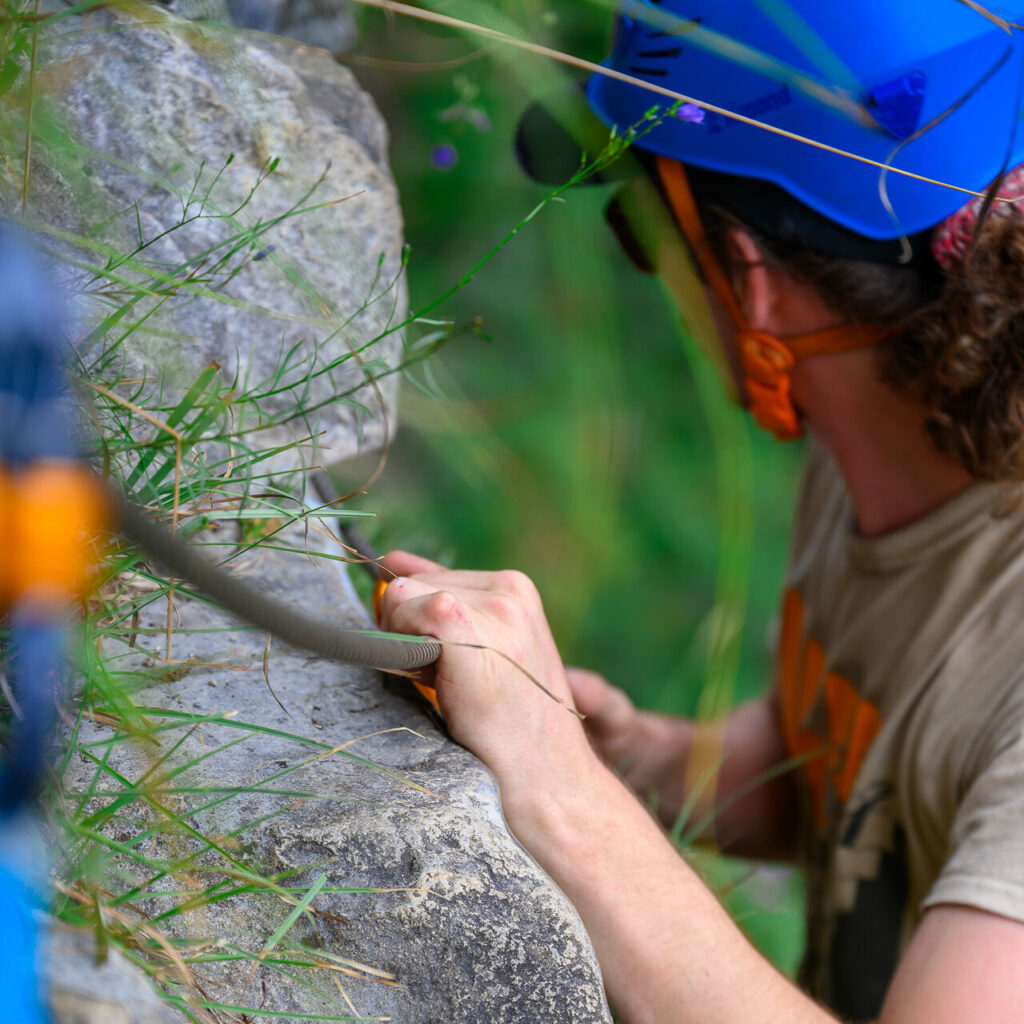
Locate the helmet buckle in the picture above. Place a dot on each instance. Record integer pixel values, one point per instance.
(767, 365)
(765, 359)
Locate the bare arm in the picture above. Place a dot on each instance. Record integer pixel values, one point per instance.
(668, 950)
(963, 964)
(755, 807)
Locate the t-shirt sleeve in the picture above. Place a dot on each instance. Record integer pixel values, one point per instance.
(985, 866)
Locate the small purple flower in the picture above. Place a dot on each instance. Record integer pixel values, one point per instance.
(264, 253)
(690, 112)
(444, 156)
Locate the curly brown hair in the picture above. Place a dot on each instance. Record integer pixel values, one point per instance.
(957, 340)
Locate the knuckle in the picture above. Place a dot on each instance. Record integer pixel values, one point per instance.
(516, 583)
(617, 712)
(444, 607)
(614, 705)
(505, 608)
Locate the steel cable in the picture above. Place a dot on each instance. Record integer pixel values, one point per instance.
(353, 646)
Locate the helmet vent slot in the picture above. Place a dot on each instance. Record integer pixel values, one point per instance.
(672, 51)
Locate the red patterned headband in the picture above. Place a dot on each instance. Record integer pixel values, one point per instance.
(952, 238)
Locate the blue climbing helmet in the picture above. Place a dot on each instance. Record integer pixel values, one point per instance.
(930, 86)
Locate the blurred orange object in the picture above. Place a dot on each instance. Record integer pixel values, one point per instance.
(6, 537)
(49, 513)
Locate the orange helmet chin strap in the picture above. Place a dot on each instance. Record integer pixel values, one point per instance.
(767, 361)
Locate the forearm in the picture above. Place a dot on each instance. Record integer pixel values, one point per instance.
(756, 799)
(728, 775)
(667, 948)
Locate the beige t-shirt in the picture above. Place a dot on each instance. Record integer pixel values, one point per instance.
(901, 692)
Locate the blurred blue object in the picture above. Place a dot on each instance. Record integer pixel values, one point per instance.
(18, 933)
(933, 86)
(35, 421)
(35, 426)
(37, 647)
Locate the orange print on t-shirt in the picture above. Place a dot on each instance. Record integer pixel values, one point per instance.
(852, 722)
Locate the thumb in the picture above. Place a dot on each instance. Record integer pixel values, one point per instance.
(607, 708)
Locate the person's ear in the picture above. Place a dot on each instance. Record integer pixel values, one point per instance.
(753, 281)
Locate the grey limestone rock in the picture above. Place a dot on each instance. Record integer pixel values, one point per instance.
(355, 787)
(82, 991)
(197, 10)
(188, 135)
(326, 23)
(466, 923)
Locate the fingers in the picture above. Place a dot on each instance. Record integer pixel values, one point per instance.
(420, 609)
(413, 606)
(608, 710)
(509, 582)
(497, 610)
(402, 563)
(499, 680)
(445, 606)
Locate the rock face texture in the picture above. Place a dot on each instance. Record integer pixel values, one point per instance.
(333, 853)
(466, 927)
(326, 23)
(85, 992)
(206, 155)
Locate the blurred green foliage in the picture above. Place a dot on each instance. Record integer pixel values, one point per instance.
(572, 440)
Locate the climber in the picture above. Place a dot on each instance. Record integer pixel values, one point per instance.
(883, 315)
